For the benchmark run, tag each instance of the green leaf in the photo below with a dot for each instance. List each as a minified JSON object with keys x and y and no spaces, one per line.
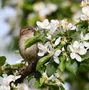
{"x":62,"y":64}
{"x":53,"y":87}
{"x":43,"y":60}
{"x":2,"y":60}
{"x":61,"y":88}
{"x":33,"y":40}
{"x":50,"y":69}
{"x":86,"y":56}
{"x":84,"y":66}
{"x":31,"y":21}
{"x":74,"y":35}
{"x":27,"y":6}
{"x":72,"y":66}
{"x":82,"y":24}
{"x":37,"y":84}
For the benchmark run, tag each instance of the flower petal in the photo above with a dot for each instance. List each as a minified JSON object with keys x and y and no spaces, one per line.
{"x":86,"y":36}
{"x":72,"y":55}
{"x":75,"y":56}
{"x":57,"y":53}
{"x":78,"y":58}
{"x":40,"y":46}
{"x":82,"y":51}
{"x":76,"y":44}
{"x":44,"y":24}
{"x":71,"y":26}
{"x":57,"y":41}
{"x":71,"y":48}
{"x":86,"y":44}
{"x":41,"y":53}
{"x":56,"y":59}
{"x":53,"y":25}
{"x":85,"y":10}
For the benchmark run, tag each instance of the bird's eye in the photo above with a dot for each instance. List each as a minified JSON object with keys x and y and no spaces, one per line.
{"x":28,"y":28}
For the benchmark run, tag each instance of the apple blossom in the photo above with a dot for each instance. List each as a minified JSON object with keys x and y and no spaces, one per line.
{"x":84,"y":39}
{"x":85,"y":8}
{"x":54,"y":24}
{"x":77,"y":49}
{"x":55,"y":56}
{"x":57,"y":41}
{"x":5,"y":81}
{"x":44,"y":9}
{"x":44,"y":24}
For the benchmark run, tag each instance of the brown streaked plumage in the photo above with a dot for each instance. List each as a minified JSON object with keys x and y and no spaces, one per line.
{"x":28,"y":54}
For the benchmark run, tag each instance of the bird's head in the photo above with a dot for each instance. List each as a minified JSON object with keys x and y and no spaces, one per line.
{"x":26,"y":31}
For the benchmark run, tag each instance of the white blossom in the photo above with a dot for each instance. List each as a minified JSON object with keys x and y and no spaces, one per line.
{"x":85,"y":8}
{"x":4,"y":87}
{"x":75,"y":56}
{"x":77,"y":16}
{"x":84,"y":3}
{"x":84,"y":39}
{"x":52,"y":7}
{"x":47,"y":47}
{"x":66,"y":25}
{"x":63,"y":49}
{"x":51,"y":78}
{"x":55,"y":56}
{"x":71,"y":26}
{"x":51,"y":26}
{"x":86,"y":44}
{"x":42,"y":50}
{"x":23,"y":86}
{"x":77,"y":49}
{"x":44,"y":24}
{"x":54,"y":25}
{"x":44,"y":9}
{"x":5,"y":81}
{"x":57,"y":53}
{"x":56,"y":59}
{"x":83,"y":17}
{"x":49,"y":36}
{"x":57,"y":41}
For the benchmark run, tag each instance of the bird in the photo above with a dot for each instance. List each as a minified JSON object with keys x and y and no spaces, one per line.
{"x":28,"y":54}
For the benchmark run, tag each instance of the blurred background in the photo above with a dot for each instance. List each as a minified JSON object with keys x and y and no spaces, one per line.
{"x":15,"y":14}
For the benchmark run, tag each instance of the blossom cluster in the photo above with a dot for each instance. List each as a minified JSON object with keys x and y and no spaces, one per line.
{"x":5,"y":81}
{"x":78,"y":46}
{"x":44,"y":9}
{"x":64,"y":42}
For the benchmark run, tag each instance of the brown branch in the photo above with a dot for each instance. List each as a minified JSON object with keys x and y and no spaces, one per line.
{"x":26,"y":71}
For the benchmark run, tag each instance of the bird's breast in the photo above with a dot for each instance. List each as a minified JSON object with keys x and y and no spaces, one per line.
{"x":30,"y":53}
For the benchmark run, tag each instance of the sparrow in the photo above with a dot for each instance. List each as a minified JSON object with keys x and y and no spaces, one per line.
{"x":28,"y":54}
